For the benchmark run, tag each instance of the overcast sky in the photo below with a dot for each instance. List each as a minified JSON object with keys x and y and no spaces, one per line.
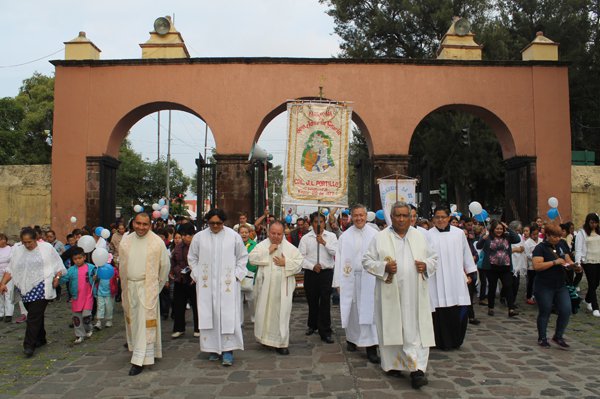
{"x":225,"y":28}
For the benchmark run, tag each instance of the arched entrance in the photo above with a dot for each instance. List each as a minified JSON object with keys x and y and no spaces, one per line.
{"x":233,"y":95}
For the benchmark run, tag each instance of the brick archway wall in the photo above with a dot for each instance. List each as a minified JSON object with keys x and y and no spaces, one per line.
{"x":93,"y":98}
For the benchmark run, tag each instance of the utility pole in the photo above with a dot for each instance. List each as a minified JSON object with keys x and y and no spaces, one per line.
{"x":169,"y":161}
{"x":158,"y":152}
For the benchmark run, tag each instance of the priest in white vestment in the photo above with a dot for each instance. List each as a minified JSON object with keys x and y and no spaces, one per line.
{"x":218,"y":257}
{"x":402,"y":261}
{"x":144,"y":269}
{"x":356,"y":286}
{"x":278,"y":262}
{"x":448,"y":288}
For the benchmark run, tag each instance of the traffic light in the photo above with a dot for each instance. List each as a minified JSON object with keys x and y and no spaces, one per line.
{"x":444,"y":191}
{"x":465,"y":137}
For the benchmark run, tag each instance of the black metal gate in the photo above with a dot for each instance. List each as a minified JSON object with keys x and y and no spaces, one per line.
{"x":258,"y":189}
{"x":206,"y":187}
{"x":365,"y":187}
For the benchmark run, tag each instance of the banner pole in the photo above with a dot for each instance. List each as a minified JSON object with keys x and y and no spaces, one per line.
{"x":266,"y":166}
{"x":396,"y":177}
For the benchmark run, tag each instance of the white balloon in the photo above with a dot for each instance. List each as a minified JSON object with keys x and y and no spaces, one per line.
{"x":105,"y":234}
{"x":87,"y":243}
{"x":294,"y":219}
{"x":475,"y":208}
{"x":164,"y":211}
{"x":100,"y":256}
{"x":453,"y":208}
{"x":73,"y":219}
{"x":138,"y":208}
{"x":155,"y":206}
{"x":553,"y":202}
{"x":370,"y":216}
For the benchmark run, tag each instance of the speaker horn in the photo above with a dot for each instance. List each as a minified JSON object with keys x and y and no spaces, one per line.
{"x":257,"y":153}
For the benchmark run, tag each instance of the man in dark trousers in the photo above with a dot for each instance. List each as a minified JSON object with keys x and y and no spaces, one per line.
{"x":302,"y":228}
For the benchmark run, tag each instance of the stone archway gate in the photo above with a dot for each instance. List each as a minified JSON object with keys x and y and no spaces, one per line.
{"x":97,"y":101}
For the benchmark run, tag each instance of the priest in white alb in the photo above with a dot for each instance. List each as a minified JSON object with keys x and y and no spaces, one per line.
{"x":356,"y":286}
{"x":448,"y":288}
{"x":217,"y":258}
{"x":144,"y":269}
{"x":402,"y":261}
{"x":278,"y":262}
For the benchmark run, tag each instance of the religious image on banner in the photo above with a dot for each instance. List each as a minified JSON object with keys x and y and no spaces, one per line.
{"x":317,"y":157}
{"x":392,"y":190}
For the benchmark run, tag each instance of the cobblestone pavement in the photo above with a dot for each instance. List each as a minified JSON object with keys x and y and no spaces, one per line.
{"x":500,"y":358}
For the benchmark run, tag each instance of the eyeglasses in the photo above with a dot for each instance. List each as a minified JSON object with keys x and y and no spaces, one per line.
{"x":215,"y":223}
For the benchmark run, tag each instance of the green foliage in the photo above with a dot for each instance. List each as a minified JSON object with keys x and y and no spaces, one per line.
{"x":11,"y":115}
{"x":144,"y":182}
{"x":275,"y":183}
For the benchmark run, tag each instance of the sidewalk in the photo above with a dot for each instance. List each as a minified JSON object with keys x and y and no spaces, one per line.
{"x":500,"y":358}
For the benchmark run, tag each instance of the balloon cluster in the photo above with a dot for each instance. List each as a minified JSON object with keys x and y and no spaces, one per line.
{"x":480,"y":214}
{"x":553,"y":211}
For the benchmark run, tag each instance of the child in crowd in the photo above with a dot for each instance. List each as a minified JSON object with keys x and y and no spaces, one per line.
{"x":105,"y":291}
{"x":79,"y":278}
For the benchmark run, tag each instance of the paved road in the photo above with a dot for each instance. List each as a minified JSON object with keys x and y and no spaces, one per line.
{"x":500,"y":358}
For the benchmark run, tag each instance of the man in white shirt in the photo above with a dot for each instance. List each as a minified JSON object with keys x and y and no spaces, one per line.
{"x":318,"y":248}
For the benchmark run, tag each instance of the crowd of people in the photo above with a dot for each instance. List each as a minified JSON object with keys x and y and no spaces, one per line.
{"x":402,"y":289}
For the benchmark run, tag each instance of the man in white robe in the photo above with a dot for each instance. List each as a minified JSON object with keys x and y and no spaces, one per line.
{"x":402,"y":262}
{"x":218,"y":257}
{"x":278,"y":262}
{"x":356,"y":286}
{"x":448,"y":288}
{"x":144,"y":269}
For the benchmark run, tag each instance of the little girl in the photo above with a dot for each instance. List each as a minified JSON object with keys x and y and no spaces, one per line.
{"x":79,"y":278}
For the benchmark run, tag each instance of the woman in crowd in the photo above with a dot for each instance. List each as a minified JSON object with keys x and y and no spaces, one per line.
{"x":6,"y":303}
{"x":35,"y":268}
{"x":550,"y":260}
{"x":184,"y":288}
{"x":587,"y":253}
{"x":497,"y":262}
{"x":530,"y":244}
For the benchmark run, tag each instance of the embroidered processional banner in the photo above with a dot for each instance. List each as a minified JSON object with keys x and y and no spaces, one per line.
{"x":317,"y":156}
{"x":392,"y":190}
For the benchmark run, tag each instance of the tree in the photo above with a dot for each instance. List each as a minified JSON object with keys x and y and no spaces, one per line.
{"x":143,"y":182}
{"x":11,"y":115}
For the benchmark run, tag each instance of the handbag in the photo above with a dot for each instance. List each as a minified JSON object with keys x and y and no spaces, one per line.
{"x":248,"y":282}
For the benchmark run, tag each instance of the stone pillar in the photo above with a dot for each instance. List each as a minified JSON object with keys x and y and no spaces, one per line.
{"x":234,"y":185}
{"x":386,"y":165}
{"x":520,"y":184}
{"x":101,"y":190}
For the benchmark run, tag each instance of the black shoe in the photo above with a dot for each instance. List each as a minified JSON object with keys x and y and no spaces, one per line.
{"x":28,"y":352}
{"x":327,"y":339}
{"x":418,"y":379}
{"x":282,"y":351}
{"x":7,"y":319}
{"x":135,"y":370}
{"x":350,"y":346}
{"x":41,"y":343}
{"x":474,"y":321}
{"x":125,"y":345}
{"x":372,"y":354}
{"x":310,"y":331}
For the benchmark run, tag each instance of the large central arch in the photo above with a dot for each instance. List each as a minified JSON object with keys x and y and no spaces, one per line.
{"x":95,"y":98}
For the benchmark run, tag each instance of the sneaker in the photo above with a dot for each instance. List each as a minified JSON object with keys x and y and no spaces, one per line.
{"x":596,"y":313}
{"x":78,"y":340}
{"x":544,"y":343}
{"x":98,"y":326}
{"x":560,"y":342}
{"x":213,"y":357}
{"x":483,"y":302}
{"x":177,"y":334}
{"x":21,"y":319}
{"x":108,"y":324}
{"x":227,"y":359}
{"x":89,"y":333}
{"x":197,"y":334}
{"x":530,"y":301}
{"x":187,"y":306}
{"x":589,"y":306}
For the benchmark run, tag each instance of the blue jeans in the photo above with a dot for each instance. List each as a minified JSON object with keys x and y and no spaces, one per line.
{"x":545,"y":297}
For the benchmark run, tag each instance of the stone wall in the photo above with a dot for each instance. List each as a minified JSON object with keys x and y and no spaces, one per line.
{"x":585,"y":192}
{"x":24,"y":197}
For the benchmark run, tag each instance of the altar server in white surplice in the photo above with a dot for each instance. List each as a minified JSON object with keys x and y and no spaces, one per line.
{"x":278,"y":262}
{"x":402,"y":261}
{"x":356,"y":286}
{"x":218,"y":257}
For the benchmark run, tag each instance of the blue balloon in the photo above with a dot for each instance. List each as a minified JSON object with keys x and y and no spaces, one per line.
{"x":482,"y":217}
{"x":161,"y":202}
{"x":345,"y":212}
{"x":288,"y":219}
{"x":552,"y":213}
{"x":325,"y":212}
{"x":380,"y":215}
{"x":98,"y":230}
{"x":105,"y":272}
